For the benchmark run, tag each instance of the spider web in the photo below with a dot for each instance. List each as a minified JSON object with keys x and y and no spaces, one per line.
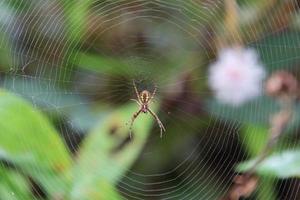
{"x":167,"y":43}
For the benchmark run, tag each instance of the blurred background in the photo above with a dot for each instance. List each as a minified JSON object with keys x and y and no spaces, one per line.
{"x":66,"y":71}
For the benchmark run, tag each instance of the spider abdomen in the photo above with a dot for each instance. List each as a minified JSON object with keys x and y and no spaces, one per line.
{"x":145,"y":96}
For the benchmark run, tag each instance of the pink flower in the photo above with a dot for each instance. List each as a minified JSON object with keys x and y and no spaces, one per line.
{"x":237,"y":76}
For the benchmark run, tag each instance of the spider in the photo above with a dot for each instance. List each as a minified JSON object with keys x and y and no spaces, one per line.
{"x":143,"y":100}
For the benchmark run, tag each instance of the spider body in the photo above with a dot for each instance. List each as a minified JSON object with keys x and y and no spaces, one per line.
{"x":145,"y":97}
{"x":143,"y":100}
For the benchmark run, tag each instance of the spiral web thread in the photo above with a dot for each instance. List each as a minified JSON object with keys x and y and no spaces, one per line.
{"x":45,"y":50}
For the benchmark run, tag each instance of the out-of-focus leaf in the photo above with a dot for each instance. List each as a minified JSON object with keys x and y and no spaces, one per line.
{"x":284,"y":164}
{"x":25,"y":130}
{"x":55,"y":101}
{"x":44,"y":94}
{"x":76,"y":14}
{"x":103,"y":64}
{"x":279,"y":51}
{"x":101,"y":190}
{"x":84,"y":117}
{"x":131,"y":65}
{"x":254,"y":138}
{"x":31,"y":143}
{"x":256,"y":112}
{"x":108,"y":152}
{"x":13,"y":186}
{"x":266,"y":189}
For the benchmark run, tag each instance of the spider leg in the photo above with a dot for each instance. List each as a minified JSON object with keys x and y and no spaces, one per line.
{"x":136,"y":101}
{"x":136,"y":91}
{"x":153,"y":93}
{"x":160,"y":124}
{"x":134,"y":116}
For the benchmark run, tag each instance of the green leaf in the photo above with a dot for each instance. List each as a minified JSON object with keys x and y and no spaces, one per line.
{"x":254,"y":138}
{"x":56,"y":101}
{"x":280,"y":50}
{"x":106,"y":64}
{"x":131,"y":65}
{"x":284,"y":164}
{"x":13,"y":186}
{"x":266,"y":189}
{"x":245,"y":113}
{"x":31,"y":143}
{"x":256,"y":112}
{"x":43,"y":94}
{"x":108,"y":152}
{"x":77,"y":14}
{"x":101,"y":190}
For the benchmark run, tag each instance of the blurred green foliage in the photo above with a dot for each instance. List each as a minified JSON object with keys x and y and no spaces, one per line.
{"x":67,"y":68}
{"x":38,"y":151}
{"x":108,"y":152}
{"x":40,"y":154}
{"x":282,"y":164}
